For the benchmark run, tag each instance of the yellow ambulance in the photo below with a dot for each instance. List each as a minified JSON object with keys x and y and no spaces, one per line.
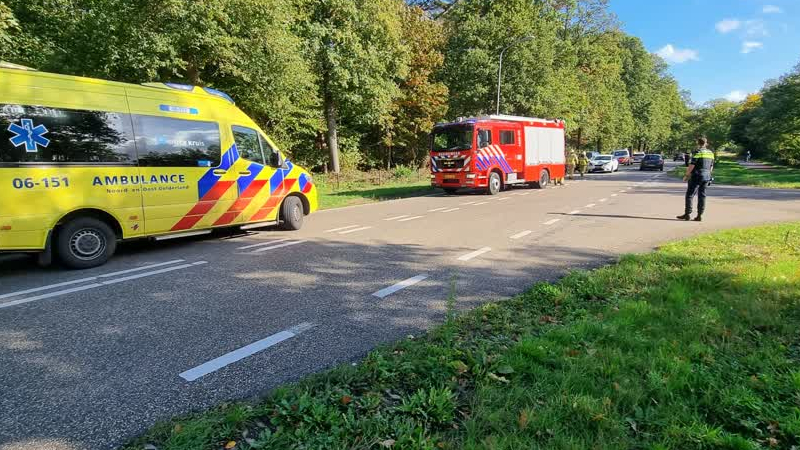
{"x":85,"y":163}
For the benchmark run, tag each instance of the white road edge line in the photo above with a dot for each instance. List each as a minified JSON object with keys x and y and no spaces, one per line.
{"x":22,"y":301}
{"x":502,"y":199}
{"x":84,"y":280}
{"x":615,"y":195}
{"x":602,"y":200}
{"x":394,"y":218}
{"x":408,"y":219}
{"x":242,"y":353}
{"x":474,"y":254}
{"x":521,"y":234}
{"x":339,"y":229}
{"x":450,"y":210}
{"x":276,"y":241}
{"x":590,"y":205}
{"x":572,"y":213}
{"x":481,"y":203}
{"x":438,"y":209}
{"x":383,"y":293}
{"x":552,"y":222}
{"x":266,"y":249}
{"x":354,"y":230}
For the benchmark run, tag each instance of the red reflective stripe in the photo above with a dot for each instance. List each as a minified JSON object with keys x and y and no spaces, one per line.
{"x":216,"y":192}
{"x":307,"y":189}
{"x":203,"y":207}
{"x":274,"y":200}
{"x":242,"y":203}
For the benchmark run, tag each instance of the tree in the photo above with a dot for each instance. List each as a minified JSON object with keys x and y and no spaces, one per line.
{"x":7,"y":23}
{"x":423,"y":100}
{"x":357,"y":53}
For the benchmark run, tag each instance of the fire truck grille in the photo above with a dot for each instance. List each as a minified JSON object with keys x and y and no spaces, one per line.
{"x":451,"y":163}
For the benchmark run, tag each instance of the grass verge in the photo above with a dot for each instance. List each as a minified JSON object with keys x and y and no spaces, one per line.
{"x":362,"y":189}
{"x":728,"y":171}
{"x":695,"y":346}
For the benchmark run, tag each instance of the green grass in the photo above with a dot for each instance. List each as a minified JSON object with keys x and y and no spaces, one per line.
{"x":728,"y":171}
{"x":360,"y":190}
{"x":695,"y":346}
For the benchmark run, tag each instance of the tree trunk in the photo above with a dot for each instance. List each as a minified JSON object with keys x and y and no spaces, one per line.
{"x":333,"y":137}
{"x":580,"y":137}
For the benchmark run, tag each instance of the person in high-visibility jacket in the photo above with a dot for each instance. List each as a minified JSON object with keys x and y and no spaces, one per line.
{"x":572,"y":161}
{"x":698,"y":174}
{"x":583,"y":164}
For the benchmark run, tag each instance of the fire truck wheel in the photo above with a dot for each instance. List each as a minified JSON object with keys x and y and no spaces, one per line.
{"x":544,"y":180}
{"x":495,"y":184}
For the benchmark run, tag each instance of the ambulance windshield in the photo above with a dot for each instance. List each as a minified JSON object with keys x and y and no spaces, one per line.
{"x":452,"y":138}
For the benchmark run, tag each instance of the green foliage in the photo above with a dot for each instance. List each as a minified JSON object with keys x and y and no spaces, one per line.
{"x":370,"y":76}
{"x":768,"y":124}
{"x":694,"y":346}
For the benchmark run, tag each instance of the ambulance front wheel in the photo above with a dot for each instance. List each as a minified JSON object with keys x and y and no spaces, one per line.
{"x":292,"y":214}
{"x":495,"y":184}
{"x":85,"y":242}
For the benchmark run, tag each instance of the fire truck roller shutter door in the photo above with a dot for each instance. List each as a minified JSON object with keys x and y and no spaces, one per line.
{"x":532,"y":148}
{"x":558,"y":145}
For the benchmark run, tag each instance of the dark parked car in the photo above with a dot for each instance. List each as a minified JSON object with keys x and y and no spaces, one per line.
{"x":678,"y":157}
{"x":652,"y":162}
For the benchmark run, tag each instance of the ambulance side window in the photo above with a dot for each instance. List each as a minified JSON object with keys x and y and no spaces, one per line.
{"x":506,"y":137}
{"x":247,"y":142}
{"x":273,"y":157}
{"x":40,"y":134}
{"x":484,"y":138}
{"x":168,"y":142}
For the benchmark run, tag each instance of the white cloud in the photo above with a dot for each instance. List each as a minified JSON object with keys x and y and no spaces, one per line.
{"x":772,"y":9}
{"x":675,"y":55}
{"x":736,"y":96}
{"x":727,"y":25}
{"x":751,"y":46}
{"x":756,"y":28}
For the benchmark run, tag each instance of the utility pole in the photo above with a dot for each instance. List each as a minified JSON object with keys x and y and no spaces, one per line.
{"x":500,"y":67}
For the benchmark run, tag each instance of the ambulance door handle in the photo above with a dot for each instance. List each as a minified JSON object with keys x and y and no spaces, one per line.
{"x":245,"y":173}
{"x":220,"y":171}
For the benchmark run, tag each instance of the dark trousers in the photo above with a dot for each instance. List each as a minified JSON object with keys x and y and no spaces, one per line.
{"x":696,"y":187}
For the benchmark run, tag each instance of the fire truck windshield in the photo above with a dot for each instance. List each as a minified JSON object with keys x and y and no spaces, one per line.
{"x":452,"y":138}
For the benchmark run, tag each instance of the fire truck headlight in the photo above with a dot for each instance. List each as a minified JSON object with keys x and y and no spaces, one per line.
{"x":433,"y":177}
{"x":470,"y":176}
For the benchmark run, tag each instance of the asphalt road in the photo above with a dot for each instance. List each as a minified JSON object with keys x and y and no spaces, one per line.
{"x":90,"y":359}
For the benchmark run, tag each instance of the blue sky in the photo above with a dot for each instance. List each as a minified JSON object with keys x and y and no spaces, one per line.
{"x":717,"y":48}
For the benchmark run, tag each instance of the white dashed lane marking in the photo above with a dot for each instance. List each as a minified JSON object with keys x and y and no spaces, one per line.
{"x":355,"y":230}
{"x":521,"y":234}
{"x":395,"y":218}
{"x":333,"y":230}
{"x":274,"y":247}
{"x":572,"y":213}
{"x":437,"y":209}
{"x":242,"y":353}
{"x":552,"y":222}
{"x":383,"y":293}
{"x":590,"y":205}
{"x":474,"y":254}
{"x":450,"y":210}
{"x":408,"y":219}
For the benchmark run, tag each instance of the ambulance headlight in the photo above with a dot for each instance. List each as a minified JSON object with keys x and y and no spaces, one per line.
{"x":470,"y":176}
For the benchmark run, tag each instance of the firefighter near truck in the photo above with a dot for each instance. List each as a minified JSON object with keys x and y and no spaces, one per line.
{"x":496,"y":152}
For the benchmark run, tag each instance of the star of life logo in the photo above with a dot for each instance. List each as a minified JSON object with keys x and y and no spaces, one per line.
{"x":32,"y":137}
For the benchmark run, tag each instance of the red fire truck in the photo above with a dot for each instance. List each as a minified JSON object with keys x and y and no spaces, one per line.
{"x":495,"y":152}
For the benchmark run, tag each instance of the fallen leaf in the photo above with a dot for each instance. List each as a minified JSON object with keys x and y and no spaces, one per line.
{"x":346,"y":399}
{"x":230,"y":445}
{"x":177,"y":428}
{"x":459,"y":366}
{"x":772,"y":442}
{"x":616,"y":386}
{"x":573,"y":353}
{"x":548,"y":319}
{"x":388,"y":443}
{"x":497,"y":378}
{"x":505,"y":370}
{"x":523,"y":420}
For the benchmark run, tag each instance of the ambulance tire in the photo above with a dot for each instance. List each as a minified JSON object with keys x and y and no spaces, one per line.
{"x":544,"y":180}
{"x":292,"y":214}
{"x":85,"y":242}
{"x":495,"y":184}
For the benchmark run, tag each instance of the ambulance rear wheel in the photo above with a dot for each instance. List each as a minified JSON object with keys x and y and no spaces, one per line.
{"x":544,"y":180}
{"x":292,"y":214}
{"x":495,"y":184}
{"x":85,"y":242}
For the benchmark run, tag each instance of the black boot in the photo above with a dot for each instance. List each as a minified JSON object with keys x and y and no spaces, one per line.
{"x":684,"y":217}
{"x":699,"y":218}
